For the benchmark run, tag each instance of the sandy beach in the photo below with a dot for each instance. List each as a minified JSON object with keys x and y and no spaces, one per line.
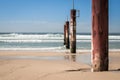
{"x":36,"y":65}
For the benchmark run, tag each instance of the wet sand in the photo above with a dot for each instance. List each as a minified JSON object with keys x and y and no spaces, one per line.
{"x":35,"y":65}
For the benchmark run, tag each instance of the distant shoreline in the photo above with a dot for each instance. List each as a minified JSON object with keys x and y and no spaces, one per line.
{"x":86,"y":33}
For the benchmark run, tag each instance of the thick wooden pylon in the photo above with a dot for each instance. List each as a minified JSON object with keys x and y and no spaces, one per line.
{"x":67,"y":35}
{"x":73,"y":31}
{"x":100,"y":60}
{"x":64,"y":34}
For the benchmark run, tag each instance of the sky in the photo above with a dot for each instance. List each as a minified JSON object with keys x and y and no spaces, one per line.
{"x":50,"y":15}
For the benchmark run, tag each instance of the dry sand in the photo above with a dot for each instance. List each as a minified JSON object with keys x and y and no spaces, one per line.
{"x":23,"y":65}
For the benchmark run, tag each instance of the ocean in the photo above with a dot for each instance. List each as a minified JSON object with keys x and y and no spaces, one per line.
{"x":50,"y":41}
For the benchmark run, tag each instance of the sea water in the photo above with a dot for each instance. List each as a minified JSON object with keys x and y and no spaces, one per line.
{"x":50,"y":41}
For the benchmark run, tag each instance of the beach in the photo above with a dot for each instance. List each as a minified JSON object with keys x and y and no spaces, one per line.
{"x":59,"y":40}
{"x":37,"y":65}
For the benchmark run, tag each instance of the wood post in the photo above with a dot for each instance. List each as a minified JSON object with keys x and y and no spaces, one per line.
{"x":100,"y":59}
{"x":73,"y":31}
{"x":64,"y":34}
{"x":67,"y":35}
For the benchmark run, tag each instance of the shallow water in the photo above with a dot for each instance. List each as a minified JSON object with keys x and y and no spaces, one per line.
{"x":83,"y":58}
{"x":49,"y":41}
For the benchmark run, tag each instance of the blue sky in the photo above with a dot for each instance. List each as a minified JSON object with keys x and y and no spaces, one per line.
{"x":50,"y":15}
